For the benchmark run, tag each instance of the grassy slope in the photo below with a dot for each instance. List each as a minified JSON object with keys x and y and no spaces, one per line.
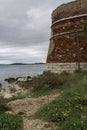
{"x":70,"y":109}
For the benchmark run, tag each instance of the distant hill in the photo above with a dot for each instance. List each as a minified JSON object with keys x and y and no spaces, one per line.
{"x":26,"y":63}
{"x":18,"y":64}
{"x":22,"y":64}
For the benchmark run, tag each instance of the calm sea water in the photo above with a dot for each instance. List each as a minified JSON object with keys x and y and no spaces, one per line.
{"x":7,"y":71}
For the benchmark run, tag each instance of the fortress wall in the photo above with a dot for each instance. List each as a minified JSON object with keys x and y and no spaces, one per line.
{"x":64,"y":67}
{"x":73,"y":8}
{"x":67,"y":43}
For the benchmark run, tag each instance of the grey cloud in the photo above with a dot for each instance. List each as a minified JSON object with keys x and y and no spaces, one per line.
{"x":25,"y":24}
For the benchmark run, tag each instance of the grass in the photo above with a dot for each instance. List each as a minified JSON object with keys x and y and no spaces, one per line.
{"x":41,"y":92}
{"x":3,"y":105}
{"x":70,"y":109}
{"x":16,"y":98}
{"x":44,"y":92}
{"x":10,"y":122}
{"x":36,"y":94}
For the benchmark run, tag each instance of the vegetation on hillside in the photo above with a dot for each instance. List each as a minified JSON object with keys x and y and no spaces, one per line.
{"x":9,"y":121}
{"x":70,"y":109}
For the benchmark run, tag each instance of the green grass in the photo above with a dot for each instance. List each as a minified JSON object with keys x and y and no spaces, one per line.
{"x":70,"y":109}
{"x":3,"y":105}
{"x":41,"y":92}
{"x":15,"y":98}
{"x":10,"y":122}
{"x":36,"y":94}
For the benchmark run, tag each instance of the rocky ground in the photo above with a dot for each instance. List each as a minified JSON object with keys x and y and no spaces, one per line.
{"x":27,"y":107}
{"x":15,"y":86}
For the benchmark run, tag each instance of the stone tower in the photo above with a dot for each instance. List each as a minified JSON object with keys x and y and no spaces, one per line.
{"x":68,"y":46}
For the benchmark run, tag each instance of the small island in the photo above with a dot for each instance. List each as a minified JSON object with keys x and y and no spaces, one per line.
{"x":27,"y":63}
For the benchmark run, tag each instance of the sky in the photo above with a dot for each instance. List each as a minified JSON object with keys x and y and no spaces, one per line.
{"x":25,"y":30}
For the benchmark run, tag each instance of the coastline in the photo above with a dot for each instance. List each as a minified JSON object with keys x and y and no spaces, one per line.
{"x":15,"y":71}
{"x":14,"y":86}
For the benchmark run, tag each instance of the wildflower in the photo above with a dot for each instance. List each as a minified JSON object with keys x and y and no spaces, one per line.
{"x":74,"y":124}
{"x":56,"y":114}
{"x":65,"y":114}
{"x":81,"y":107}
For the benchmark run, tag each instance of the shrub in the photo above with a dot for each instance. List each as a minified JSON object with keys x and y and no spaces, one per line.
{"x":10,"y":122}
{"x":45,"y":80}
{"x":24,"y":84}
{"x":48,"y":80}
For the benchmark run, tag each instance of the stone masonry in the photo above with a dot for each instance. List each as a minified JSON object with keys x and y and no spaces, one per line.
{"x":68,"y":46}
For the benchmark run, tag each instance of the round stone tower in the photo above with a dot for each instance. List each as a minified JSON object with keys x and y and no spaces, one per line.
{"x":68,"y":45}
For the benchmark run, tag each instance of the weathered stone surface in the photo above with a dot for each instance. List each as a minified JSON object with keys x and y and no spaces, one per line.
{"x":71,"y":9}
{"x":68,"y":67}
{"x":67,"y":43}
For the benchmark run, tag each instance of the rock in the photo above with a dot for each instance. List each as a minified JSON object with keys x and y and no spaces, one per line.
{"x":10,"y":80}
{"x":29,"y":78}
{"x":9,"y":112}
{"x":8,"y":95}
{"x":22,"y":79}
{"x":21,"y":113}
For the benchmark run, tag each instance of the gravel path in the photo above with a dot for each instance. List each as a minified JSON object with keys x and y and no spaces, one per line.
{"x":29,"y":106}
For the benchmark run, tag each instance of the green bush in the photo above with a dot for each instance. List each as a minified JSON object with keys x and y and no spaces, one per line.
{"x":10,"y":122}
{"x":48,"y":80}
{"x":24,"y":84}
{"x":45,"y":80}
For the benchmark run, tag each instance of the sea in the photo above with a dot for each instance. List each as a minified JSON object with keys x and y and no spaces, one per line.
{"x":7,"y":71}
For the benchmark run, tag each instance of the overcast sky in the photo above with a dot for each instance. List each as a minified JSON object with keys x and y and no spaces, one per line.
{"x":25,"y":29}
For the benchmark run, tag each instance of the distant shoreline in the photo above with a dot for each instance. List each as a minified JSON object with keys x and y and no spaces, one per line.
{"x":17,"y":70}
{"x":23,"y":64}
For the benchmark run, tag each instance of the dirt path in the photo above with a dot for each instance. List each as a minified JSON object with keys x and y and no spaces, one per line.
{"x":36,"y":125}
{"x":29,"y":106}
